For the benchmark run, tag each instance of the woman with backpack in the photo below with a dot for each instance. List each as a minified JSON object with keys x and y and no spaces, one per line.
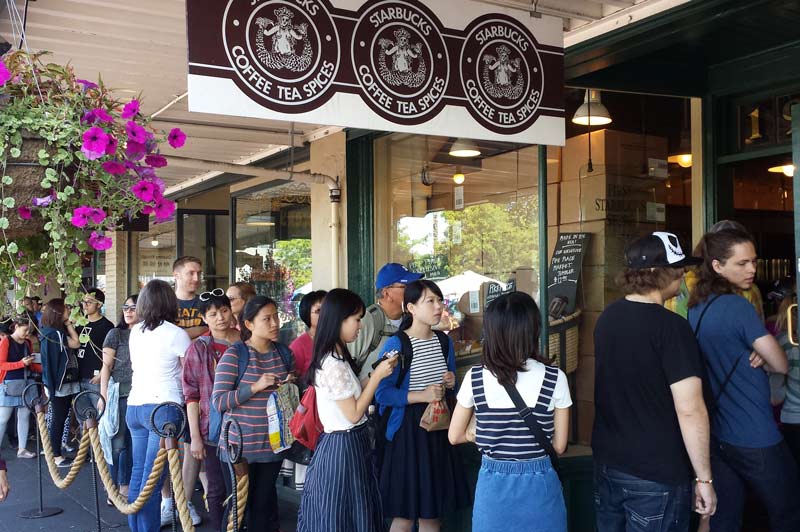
{"x":340,"y":493}
{"x":246,"y":376}
{"x":15,"y":363}
{"x":57,"y":339}
{"x":509,"y":447}
{"x":420,"y":478}
{"x":747,"y":449}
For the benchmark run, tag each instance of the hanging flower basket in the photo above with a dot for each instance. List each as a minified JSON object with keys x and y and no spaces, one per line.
{"x":75,"y":163}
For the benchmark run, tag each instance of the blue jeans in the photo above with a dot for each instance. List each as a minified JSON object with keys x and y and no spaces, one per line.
{"x":121,"y":448}
{"x":625,"y":503}
{"x":771,"y":474}
{"x":145,"y":444}
{"x":524,"y":496}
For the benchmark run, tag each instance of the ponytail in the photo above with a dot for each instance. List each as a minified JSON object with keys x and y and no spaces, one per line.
{"x":414,"y":292}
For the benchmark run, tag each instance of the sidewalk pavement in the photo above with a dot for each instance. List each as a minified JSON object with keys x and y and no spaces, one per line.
{"x":77,"y":501}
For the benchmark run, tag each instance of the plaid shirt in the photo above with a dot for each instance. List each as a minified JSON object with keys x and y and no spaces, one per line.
{"x":199,"y":366}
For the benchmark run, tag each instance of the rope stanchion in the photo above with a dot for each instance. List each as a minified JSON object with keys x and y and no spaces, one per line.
{"x":169,"y":433}
{"x":89,"y":416}
{"x":80,"y":458}
{"x":233,"y":453}
{"x":242,"y":489}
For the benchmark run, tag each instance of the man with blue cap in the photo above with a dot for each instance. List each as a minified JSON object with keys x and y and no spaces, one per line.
{"x":382,"y":319}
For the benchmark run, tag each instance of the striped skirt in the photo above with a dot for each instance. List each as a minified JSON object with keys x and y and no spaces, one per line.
{"x":341,"y":490}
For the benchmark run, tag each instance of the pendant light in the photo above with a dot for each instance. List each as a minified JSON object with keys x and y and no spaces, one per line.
{"x":786,"y":169}
{"x":592,"y":112}
{"x":464,"y":148}
{"x":683,"y":157}
{"x":458,"y":177}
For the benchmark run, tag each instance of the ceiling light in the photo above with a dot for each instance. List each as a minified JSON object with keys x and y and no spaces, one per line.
{"x":683,"y":160}
{"x":592,"y":112}
{"x":260,"y":220}
{"x":154,"y":242}
{"x":458,"y":177}
{"x":787,"y":169}
{"x":464,"y":148}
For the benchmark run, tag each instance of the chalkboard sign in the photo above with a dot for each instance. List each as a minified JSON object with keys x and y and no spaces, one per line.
{"x":565,"y":270}
{"x":494,"y":290}
{"x":432,"y":266}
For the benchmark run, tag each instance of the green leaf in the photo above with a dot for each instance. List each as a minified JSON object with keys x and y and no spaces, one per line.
{"x":48,"y":226}
{"x":71,"y":299}
{"x":9,"y":203}
{"x":50,"y":173}
{"x":8,"y":180}
{"x":69,"y":191}
{"x":61,"y":196}
{"x":45,"y":183}
{"x":3,"y":223}
{"x":12,"y":247}
{"x":84,"y":338}
{"x":42,"y":154}
{"x":15,"y":152}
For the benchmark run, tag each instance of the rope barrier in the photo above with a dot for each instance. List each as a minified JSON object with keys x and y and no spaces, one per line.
{"x":167,"y":454}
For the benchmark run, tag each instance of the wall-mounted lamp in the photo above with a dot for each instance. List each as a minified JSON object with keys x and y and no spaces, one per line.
{"x":154,"y":242}
{"x":592,"y":112}
{"x":458,"y":177}
{"x":464,"y":148}
{"x":786,"y":169}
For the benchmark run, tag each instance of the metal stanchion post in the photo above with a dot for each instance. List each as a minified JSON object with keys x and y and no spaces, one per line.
{"x":89,"y":416}
{"x":170,"y":433}
{"x":233,"y":453}
{"x":36,"y":404}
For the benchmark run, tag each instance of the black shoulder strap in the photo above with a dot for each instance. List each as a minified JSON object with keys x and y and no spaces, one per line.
{"x":444,"y":342}
{"x":376,"y":333}
{"x":406,"y":355}
{"x":528,"y":417}
{"x":713,"y":407}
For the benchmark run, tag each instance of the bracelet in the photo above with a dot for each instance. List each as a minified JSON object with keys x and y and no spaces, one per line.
{"x":701,"y":481}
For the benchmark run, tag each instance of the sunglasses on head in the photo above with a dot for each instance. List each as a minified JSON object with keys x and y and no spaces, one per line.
{"x":205,"y":296}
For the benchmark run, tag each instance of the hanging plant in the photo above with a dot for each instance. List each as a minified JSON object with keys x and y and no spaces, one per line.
{"x":74,"y":164}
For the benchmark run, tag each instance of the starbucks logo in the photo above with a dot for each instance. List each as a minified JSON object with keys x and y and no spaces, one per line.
{"x":400,"y":60}
{"x":285,"y":54}
{"x":501,"y":74}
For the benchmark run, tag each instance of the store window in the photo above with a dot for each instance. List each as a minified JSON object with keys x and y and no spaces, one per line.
{"x":205,"y":235}
{"x":152,"y":254}
{"x":272,"y":250}
{"x":467,"y":223}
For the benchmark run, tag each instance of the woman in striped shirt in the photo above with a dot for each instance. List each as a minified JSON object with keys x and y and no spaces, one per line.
{"x":510,"y":356}
{"x":244,"y":398}
{"x":341,"y":491}
{"x":420,"y":478}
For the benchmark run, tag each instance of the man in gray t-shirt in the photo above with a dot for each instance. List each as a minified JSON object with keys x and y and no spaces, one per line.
{"x":382,"y":319}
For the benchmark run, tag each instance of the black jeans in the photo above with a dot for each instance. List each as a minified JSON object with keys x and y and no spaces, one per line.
{"x":770,"y":472}
{"x":623,"y":502}
{"x":61,"y":406}
{"x":262,"y":499}
{"x":791,"y":434}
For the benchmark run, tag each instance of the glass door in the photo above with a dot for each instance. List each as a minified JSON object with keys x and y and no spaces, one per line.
{"x":204,"y":234}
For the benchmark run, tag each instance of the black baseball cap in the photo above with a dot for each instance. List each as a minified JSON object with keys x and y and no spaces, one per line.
{"x":658,"y":250}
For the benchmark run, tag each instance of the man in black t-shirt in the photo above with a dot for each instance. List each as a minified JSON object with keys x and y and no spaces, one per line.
{"x":93,"y":334}
{"x":188,"y":272}
{"x":651,"y":432}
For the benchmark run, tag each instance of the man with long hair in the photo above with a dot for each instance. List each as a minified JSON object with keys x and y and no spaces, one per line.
{"x":651,"y":434}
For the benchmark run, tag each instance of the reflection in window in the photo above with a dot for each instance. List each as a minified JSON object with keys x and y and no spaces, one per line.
{"x":156,"y":251}
{"x":273,"y":248}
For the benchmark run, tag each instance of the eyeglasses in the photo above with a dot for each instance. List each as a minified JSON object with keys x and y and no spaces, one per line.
{"x":128,"y":308}
{"x":90,"y":302}
{"x":205,"y":296}
{"x":397,"y":286}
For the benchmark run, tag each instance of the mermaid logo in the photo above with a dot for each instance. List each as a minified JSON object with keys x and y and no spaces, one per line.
{"x":502,"y":77}
{"x":285,"y":38}
{"x":402,"y":55}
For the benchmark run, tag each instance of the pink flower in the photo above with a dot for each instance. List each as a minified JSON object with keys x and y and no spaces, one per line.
{"x":97,"y":215}
{"x":114,"y":167}
{"x":145,"y":191}
{"x":24,"y":212}
{"x":80,"y":215}
{"x":100,"y":242}
{"x":176,"y":138}
{"x":163,"y":209}
{"x":5,"y":75}
{"x":111,"y":147}
{"x":135,"y":132}
{"x":130,"y":110}
{"x":102,"y":116}
{"x":134,"y":150}
{"x":95,"y":141}
{"x":156,"y":161}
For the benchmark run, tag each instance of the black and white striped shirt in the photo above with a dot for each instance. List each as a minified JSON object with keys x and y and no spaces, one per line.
{"x":428,"y":365}
{"x":500,"y":432}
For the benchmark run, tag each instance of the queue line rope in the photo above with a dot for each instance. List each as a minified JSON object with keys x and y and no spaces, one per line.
{"x":168,"y":453}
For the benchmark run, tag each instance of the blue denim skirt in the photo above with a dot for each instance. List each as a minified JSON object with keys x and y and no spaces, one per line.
{"x":9,"y":400}
{"x":523,"y":496}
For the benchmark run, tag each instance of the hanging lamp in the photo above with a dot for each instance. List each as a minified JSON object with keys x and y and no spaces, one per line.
{"x":592,"y":112}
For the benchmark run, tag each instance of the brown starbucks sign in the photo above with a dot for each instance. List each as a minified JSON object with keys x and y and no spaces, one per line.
{"x":391,"y":63}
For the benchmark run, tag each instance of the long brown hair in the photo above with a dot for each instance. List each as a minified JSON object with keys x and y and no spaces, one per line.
{"x":715,"y":246}
{"x":53,"y":314}
{"x":511,"y":327}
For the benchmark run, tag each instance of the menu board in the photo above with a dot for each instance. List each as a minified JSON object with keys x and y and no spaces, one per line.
{"x":565,"y":270}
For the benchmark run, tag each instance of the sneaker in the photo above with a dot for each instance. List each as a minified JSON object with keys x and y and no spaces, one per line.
{"x":196,"y":520}
{"x":64,"y":462}
{"x":166,"y":512}
{"x":25,"y":453}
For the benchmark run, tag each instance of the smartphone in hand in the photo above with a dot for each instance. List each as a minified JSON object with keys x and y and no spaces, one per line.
{"x":390,"y":354}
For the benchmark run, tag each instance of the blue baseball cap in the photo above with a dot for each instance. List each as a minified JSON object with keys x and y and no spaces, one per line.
{"x":395,"y":273}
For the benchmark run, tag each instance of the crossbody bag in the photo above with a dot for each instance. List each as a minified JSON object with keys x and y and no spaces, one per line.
{"x":712,"y":401}
{"x":526,"y":413}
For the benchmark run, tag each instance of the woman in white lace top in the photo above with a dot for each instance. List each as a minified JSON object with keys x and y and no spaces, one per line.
{"x":341,"y":490}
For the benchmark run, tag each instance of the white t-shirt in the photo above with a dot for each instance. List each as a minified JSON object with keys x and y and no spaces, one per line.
{"x":529,"y":384}
{"x":155,"y":362}
{"x":333,"y":382}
